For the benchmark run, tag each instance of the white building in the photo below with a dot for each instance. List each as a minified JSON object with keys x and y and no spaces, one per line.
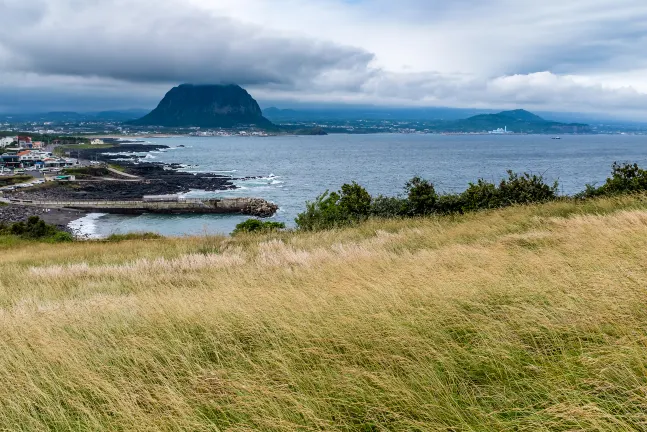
{"x":499,"y":131}
{"x":97,"y":141}
{"x":5,"y":142}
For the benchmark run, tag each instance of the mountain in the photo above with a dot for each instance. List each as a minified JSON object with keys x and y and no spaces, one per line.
{"x":515,"y":121}
{"x":208,"y":106}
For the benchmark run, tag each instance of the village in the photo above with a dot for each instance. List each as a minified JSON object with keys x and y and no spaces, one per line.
{"x":21,"y":153}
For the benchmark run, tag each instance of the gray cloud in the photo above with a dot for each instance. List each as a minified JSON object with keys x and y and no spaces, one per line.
{"x":161,"y":41}
{"x":553,"y":55}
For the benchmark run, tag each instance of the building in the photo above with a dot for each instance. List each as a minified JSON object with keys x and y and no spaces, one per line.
{"x":97,"y":141}
{"x":7,"y":141}
{"x":52,"y":162}
{"x":24,"y":142}
{"x":10,"y":161}
{"x":499,"y":131}
{"x":30,"y":158}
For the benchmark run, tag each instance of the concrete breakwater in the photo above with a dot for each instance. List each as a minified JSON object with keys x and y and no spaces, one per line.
{"x":247,"y":206}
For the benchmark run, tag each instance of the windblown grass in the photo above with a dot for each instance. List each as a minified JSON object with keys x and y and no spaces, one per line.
{"x":528,"y":318}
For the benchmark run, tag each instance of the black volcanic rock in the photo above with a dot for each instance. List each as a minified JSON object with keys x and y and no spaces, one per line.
{"x":208,"y":106}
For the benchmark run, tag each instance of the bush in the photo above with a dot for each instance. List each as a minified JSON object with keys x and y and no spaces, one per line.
{"x":421,"y":195}
{"x":353,"y":204}
{"x":36,"y":228}
{"x":257,"y":226}
{"x":349,"y":205}
{"x":525,"y":189}
{"x":389,"y":207}
{"x":516,"y":189}
{"x":355,"y":201}
{"x":625,"y":178}
{"x":450,"y":203}
{"x":480,"y":195}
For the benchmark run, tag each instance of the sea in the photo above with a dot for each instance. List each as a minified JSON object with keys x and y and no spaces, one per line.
{"x":290,"y":170}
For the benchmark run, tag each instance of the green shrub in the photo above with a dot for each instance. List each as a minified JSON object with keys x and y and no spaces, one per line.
{"x":480,"y":195}
{"x":389,"y":207}
{"x":625,"y":178}
{"x":450,"y":203}
{"x":257,"y":226}
{"x":349,"y":205}
{"x":355,"y":201}
{"x":516,"y":189}
{"x":36,"y":229}
{"x":525,"y":189}
{"x":421,"y":195}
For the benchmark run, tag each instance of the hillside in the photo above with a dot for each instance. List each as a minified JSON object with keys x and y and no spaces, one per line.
{"x":516,"y":121}
{"x":528,"y":318}
{"x":209,"y":106}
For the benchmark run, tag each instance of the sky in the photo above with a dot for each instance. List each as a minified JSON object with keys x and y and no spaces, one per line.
{"x":556,"y":55}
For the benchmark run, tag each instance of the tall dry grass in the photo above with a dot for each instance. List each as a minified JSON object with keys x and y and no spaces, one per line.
{"x":530,"y":318}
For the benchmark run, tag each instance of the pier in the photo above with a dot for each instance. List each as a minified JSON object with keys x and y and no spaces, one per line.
{"x":247,"y":206}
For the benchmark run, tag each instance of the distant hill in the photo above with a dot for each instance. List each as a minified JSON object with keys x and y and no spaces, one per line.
{"x":72,"y":116}
{"x":209,"y":106}
{"x":516,"y":121}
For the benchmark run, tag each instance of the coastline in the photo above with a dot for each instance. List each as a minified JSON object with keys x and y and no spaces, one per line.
{"x":62,"y":217}
{"x":12,"y":213}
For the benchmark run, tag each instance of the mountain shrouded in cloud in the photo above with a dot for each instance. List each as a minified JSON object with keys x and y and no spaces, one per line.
{"x":577,"y":55}
{"x":209,"y":106}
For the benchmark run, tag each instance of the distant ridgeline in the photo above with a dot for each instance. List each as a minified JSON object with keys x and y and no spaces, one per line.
{"x":516,"y":121}
{"x":208,"y":106}
{"x":435,"y":119}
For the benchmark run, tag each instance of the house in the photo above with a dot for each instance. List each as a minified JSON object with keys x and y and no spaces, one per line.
{"x":97,"y":141}
{"x":37,"y":145}
{"x":24,"y":142}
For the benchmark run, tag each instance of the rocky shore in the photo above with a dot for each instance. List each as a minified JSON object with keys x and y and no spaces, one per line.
{"x":144,"y":178}
{"x":155,"y":178}
{"x":60,"y":217}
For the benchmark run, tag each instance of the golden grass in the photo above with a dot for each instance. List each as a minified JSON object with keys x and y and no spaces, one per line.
{"x":529,"y":318}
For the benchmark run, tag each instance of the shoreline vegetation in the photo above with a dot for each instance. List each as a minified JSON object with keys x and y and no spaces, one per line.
{"x":352,"y":204}
{"x":529,"y":317}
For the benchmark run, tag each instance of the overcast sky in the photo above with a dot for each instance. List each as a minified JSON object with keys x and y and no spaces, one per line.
{"x":557,"y":55}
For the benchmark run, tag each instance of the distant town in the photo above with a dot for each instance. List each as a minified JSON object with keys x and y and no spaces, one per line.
{"x":22,"y":152}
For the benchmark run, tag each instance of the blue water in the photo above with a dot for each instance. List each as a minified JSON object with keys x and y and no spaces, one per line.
{"x":296,"y":169}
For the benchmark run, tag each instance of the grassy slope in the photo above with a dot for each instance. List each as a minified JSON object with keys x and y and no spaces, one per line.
{"x":530,"y":318}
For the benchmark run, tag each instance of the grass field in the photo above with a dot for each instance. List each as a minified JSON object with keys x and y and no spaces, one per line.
{"x":528,"y":318}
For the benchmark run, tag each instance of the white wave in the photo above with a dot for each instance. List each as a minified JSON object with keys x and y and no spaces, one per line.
{"x":86,"y":227}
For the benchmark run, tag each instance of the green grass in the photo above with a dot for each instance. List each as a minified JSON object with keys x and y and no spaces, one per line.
{"x":530,"y":318}
{"x":133,"y":236}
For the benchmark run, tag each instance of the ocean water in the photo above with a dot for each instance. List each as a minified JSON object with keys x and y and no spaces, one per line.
{"x":292,"y":170}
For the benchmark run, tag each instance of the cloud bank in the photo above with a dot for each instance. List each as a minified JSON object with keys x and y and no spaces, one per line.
{"x":576,"y":56}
